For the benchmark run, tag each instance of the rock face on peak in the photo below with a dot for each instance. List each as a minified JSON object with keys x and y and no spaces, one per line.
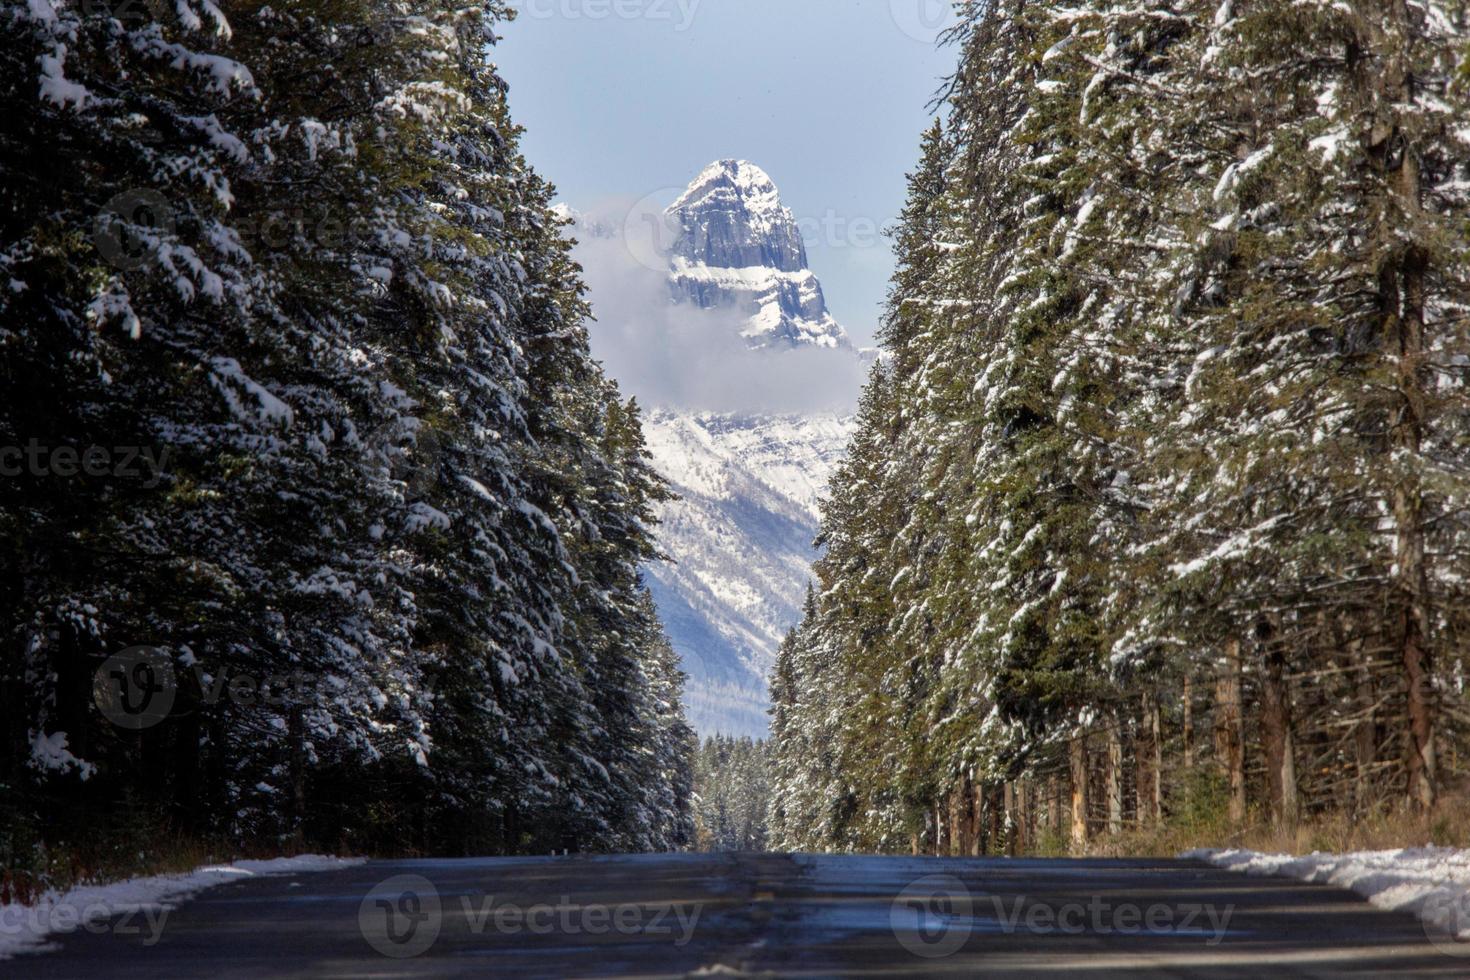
{"x":735,"y":244}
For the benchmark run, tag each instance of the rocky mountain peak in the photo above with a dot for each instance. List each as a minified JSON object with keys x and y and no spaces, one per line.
{"x":736,"y":245}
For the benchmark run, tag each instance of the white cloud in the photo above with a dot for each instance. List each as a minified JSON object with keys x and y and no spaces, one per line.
{"x":676,"y":355}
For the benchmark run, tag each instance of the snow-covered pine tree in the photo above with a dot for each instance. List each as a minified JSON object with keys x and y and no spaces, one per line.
{"x":1326,"y":311}
{"x":300,"y":254}
{"x":1179,"y":407}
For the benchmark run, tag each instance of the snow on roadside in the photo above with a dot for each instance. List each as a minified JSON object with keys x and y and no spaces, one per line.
{"x":1431,"y":882}
{"x":145,"y":903}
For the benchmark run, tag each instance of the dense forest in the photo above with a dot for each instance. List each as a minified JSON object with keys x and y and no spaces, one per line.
{"x":1161,"y":489}
{"x":320,"y":525}
{"x":731,"y":794}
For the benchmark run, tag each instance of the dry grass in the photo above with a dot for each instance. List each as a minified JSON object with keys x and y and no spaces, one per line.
{"x":1447,"y":826}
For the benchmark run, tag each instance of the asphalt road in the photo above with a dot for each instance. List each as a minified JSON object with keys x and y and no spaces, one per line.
{"x":754,"y":916}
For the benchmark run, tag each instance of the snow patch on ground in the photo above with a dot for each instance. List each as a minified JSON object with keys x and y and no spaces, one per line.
{"x":1431,"y":882}
{"x":146,"y":901}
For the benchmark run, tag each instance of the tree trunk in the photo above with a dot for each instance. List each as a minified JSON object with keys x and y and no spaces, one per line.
{"x":1402,"y":300}
{"x":1113,"y":777}
{"x":995,"y":843}
{"x":978,"y":792}
{"x":1366,"y":737}
{"x":1010,"y":823}
{"x":1188,"y":733}
{"x":1230,"y":731}
{"x":296,"y":732}
{"x":952,"y":805}
{"x":966,"y":807}
{"x":1408,"y":510}
{"x":1150,"y":751}
{"x":1276,"y":730}
{"x":1077,"y":754}
{"x":1024,"y":830}
{"x":1054,"y":807}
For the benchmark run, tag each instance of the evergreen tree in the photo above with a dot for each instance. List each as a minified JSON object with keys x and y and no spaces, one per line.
{"x":394,"y":541}
{"x":1172,"y":394}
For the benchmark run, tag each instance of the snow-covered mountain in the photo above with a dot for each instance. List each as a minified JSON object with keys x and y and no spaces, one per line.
{"x":741,"y":535}
{"x":737,"y":245}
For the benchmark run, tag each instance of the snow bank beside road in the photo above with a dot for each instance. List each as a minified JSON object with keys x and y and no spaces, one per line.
{"x":143,"y":903}
{"x":1431,"y":882}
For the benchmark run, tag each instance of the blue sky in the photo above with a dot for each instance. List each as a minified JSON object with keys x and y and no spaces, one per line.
{"x":628,"y":98}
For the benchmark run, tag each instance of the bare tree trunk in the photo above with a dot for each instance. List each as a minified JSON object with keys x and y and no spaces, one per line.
{"x":1077,"y":754}
{"x":1230,"y":731}
{"x":1113,"y":777}
{"x":1276,"y":729}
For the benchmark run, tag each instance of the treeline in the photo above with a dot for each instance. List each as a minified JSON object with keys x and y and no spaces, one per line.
{"x":1161,"y":491}
{"x":377,"y":586}
{"x":732,"y":793}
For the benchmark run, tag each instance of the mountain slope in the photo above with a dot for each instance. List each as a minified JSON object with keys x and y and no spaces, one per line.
{"x":741,"y":537}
